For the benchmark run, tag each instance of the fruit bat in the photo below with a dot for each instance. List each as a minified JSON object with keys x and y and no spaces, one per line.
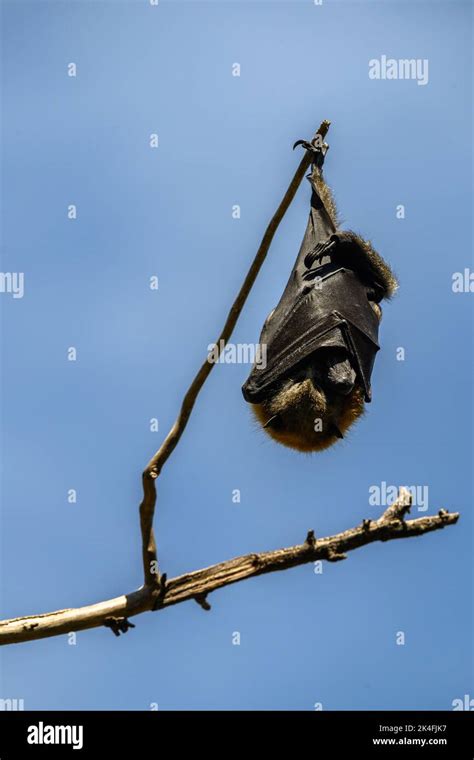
{"x":322,"y":338}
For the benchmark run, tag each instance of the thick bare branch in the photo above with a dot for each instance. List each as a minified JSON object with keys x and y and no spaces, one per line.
{"x":196,"y":585}
{"x":155,"y":465}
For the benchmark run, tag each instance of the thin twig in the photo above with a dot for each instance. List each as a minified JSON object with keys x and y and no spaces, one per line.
{"x":155,"y":465}
{"x":197,"y":585}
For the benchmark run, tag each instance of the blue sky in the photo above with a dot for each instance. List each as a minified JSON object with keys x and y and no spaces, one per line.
{"x":306,"y":638}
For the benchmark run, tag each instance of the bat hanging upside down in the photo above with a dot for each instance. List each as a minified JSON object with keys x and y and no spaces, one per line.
{"x":322,"y":337}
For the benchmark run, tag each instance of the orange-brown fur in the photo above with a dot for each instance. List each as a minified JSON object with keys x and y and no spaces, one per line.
{"x":299,"y":406}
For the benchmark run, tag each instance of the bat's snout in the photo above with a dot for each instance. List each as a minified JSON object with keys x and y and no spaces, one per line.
{"x":334,"y":373}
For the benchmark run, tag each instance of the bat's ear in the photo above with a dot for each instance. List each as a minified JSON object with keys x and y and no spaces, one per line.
{"x":274,"y":423}
{"x":335,"y":431}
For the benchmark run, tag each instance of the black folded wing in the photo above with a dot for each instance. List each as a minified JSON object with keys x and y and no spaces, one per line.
{"x":324,"y":305}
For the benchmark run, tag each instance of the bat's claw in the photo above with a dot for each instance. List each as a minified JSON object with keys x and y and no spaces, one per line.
{"x":305,"y":144}
{"x":318,"y":151}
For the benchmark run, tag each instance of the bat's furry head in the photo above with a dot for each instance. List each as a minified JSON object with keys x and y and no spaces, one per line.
{"x":300,"y":415}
